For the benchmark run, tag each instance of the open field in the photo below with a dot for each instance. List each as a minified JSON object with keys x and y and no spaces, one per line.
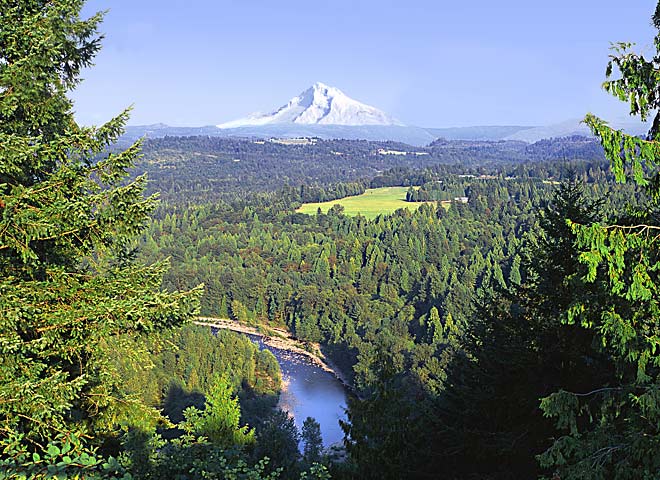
{"x":371,"y":203}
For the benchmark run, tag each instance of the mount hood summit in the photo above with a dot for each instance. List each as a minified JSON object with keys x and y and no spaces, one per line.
{"x":319,"y":105}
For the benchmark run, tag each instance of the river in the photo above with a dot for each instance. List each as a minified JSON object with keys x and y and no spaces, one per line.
{"x":309,"y":391}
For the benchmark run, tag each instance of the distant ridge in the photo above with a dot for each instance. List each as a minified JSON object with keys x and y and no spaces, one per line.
{"x":395,"y":132}
{"x":483,"y":132}
{"x":571,"y":128}
{"x":410,"y":135}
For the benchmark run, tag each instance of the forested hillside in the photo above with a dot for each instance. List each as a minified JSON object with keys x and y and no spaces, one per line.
{"x":99,"y":378}
{"x":507,"y":329}
{"x":338,"y":280}
{"x":202,"y":169}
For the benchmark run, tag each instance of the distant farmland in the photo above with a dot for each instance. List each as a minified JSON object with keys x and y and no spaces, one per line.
{"x":370,"y":204}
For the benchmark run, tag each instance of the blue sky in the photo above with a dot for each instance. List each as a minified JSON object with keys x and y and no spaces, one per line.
{"x":428,"y":63}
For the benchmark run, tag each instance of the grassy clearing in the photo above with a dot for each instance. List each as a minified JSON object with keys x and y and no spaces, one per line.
{"x":370,"y":204}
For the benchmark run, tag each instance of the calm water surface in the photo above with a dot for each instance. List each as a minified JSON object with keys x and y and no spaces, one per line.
{"x":310,"y":392}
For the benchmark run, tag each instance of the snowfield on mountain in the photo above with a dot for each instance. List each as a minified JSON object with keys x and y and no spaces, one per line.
{"x":319,"y":105}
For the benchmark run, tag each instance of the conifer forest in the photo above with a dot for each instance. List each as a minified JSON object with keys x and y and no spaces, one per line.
{"x":506,"y":327}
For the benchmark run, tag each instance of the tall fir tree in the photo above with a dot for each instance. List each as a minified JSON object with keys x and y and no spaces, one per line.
{"x":612,"y":429}
{"x":487,"y":422}
{"x":69,"y":217}
{"x":311,"y":436}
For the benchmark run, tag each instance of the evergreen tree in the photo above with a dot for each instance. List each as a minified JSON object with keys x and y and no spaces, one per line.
{"x":385,"y":433}
{"x":220,"y":420}
{"x":514,"y":274}
{"x":311,"y":435}
{"x":487,"y":421}
{"x":277,"y":439}
{"x":434,"y":328}
{"x":68,"y":220}
{"x":612,"y":429}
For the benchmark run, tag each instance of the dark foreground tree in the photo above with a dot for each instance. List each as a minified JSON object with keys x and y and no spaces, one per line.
{"x":74,"y":303}
{"x":385,"y":433}
{"x":68,"y":221}
{"x":487,"y":421}
{"x":612,"y":429}
{"x":311,"y":435}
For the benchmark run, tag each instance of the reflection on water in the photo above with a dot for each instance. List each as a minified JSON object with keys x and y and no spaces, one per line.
{"x":309,"y":391}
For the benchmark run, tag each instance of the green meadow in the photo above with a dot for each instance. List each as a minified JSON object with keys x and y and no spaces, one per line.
{"x":370,"y":204}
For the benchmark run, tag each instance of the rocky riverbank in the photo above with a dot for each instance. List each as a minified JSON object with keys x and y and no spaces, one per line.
{"x":281,"y":339}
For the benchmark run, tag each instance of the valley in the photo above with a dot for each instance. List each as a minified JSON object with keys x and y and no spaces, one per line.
{"x":324,"y":291}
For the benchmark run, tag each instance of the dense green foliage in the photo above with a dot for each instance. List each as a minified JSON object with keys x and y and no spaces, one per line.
{"x":218,"y":393}
{"x":611,"y":429}
{"x":311,"y":435}
{"x":190,"y":360}
{"x":511,"y":333}
{"x":66,"y":228}
{"x":74,"y":303}
{"x":186,"y":365}
{"x":516,"y":351}
{"x":405,"y":302}
{"x":339,"y":279}
{"x":237,"y":168}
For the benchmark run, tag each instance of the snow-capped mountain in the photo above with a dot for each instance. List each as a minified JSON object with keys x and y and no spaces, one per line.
{"x":319,"y":105}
